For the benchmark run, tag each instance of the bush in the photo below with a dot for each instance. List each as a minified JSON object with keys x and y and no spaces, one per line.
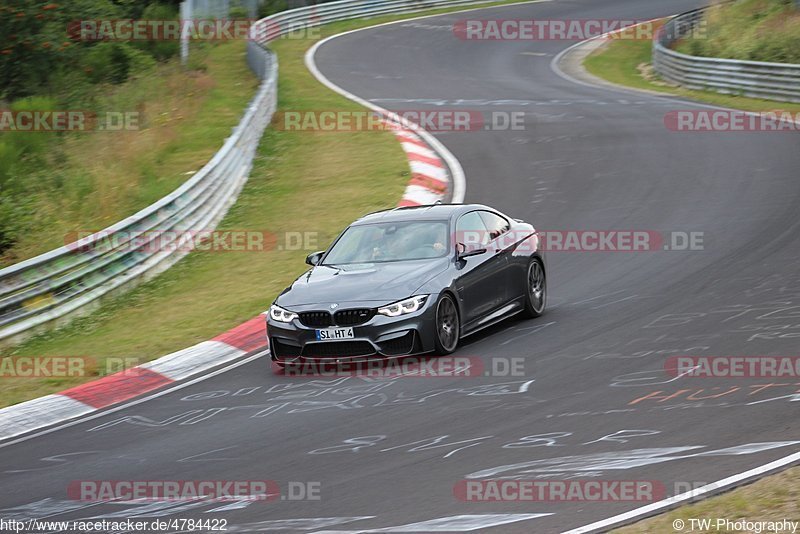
{"x":37,"y":51}
{"x":140,"y":61}
{"x":237,"y":12}
{"x":159,"y":50}
{"x":107,"y":62}
{"x":270,"y":7}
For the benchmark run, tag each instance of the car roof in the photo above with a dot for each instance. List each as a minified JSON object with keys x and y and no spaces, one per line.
{"x":420,"y":213}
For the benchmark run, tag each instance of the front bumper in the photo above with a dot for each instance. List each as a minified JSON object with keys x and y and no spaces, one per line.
{"x":379,"y":337}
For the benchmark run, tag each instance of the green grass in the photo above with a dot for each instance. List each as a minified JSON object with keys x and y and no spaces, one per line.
{"x":627,"y":62}
{"x":87,"y":181}
{"x":754,"y":30}
{"x":301,"y":182}
{"x":773,"y":498}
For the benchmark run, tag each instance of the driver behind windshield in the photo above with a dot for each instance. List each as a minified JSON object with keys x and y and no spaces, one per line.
{"x":390,"y":242}
{"x":430,"y":242}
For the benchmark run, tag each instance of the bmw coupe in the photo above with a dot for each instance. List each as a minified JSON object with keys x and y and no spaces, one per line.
{"x":408,"y":281}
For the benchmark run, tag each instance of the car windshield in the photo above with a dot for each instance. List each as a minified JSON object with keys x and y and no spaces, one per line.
{"x":390,"y":241}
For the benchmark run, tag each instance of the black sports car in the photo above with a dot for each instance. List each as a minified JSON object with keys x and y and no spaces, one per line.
{"x":409,"y":280}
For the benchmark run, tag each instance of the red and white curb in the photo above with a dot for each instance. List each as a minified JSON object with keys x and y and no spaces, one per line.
{"x":435,"y":172}
{"x":431,"y":181}
{"x":125,"y":385}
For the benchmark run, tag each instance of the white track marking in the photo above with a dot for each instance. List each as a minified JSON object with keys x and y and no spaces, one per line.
{"x":459,"y":181}
{"x":707,"y":490}
{"x":455,"y":523}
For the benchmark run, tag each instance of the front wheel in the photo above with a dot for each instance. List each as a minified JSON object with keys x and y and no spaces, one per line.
{"x":536,"y":290}
{"x":448,"y":326}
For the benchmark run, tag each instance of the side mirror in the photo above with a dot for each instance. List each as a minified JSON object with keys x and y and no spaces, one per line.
{"x":462,"y":252}
{"x":313,"y":258}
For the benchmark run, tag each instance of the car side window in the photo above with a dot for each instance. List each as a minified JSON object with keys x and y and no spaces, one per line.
{"x":495,"y":224}
{"x":471,"y":230}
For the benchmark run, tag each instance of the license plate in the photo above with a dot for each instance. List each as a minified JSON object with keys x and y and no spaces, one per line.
{"x":333,"y":334}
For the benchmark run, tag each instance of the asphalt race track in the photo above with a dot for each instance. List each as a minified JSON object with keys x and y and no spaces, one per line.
{"x":595,"y":401}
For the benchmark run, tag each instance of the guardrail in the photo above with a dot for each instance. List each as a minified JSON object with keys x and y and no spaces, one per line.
{"x":771,"y":81}
{"x":310,"y":16}
{"x":49,"y":290}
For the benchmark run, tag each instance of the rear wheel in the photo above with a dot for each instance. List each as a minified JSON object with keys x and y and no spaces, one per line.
{"x":448,"y":326}
{"x":536,"y":290}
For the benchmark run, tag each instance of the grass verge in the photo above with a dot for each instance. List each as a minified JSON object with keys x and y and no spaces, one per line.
{"x":307,"y":182}
{"x":627,"y":62}
{"x":773,"y":498}
{"x":752,"y":30}
{"x":87,"y":181}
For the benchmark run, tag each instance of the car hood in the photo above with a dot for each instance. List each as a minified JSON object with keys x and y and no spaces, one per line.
{"x":379,"y":282}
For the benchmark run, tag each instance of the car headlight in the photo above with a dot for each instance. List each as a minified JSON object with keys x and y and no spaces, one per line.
{"x":402,"y":307}
{"x":282,"y":316}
